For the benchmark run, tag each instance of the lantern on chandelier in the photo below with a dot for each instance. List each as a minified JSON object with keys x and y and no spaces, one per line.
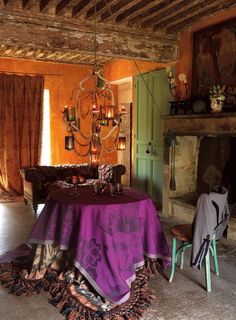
{"x":93,"y":102}
{"x":96,"y":105}
{"x":69,"y":143}
{"x":121,"y":144}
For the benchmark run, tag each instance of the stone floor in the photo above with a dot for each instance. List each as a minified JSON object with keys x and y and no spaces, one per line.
{"x":183,"y":299}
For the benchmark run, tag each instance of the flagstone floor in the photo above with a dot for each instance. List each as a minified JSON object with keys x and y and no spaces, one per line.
{"x":183,"y":299}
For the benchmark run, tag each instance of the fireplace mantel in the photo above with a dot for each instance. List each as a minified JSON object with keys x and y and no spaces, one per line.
{"x":190,"y":130}
{"x":201,"y":124}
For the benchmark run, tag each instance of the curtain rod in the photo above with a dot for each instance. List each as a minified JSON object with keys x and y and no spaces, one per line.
{"x":31,"y":73}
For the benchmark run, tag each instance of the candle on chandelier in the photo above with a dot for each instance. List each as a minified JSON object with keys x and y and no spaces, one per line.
{"x":110,"y":112}
{"x":98,"y":128}
{"x":104,"y":121}
{"x":95,"y":108}
{"x":94,"y":146}
{"x":121,"y":144}
{"x":69,"y":143}
{"x":123,"y":109}
{"x":95,"y":158}
{"x":71,"y":114}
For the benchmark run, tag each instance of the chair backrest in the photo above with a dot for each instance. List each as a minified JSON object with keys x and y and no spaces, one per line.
{"x":211,"y":219}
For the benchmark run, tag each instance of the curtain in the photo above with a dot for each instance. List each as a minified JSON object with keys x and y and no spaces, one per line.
{"x":21,"y":100}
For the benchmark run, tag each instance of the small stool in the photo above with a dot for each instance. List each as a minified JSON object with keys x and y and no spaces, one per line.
{"x":183,"y":233}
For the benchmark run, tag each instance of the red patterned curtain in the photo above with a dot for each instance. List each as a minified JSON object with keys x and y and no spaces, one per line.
{"x":21,"y":100}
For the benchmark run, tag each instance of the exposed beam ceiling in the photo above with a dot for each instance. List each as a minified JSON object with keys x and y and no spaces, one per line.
{"x":64,"y":30}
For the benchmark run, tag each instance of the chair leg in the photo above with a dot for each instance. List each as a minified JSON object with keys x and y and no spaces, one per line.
{"x":208,"y":272}
{"x":35,"y":207}
{"x":214,"y":253}
{"x":173,"y":260}
{"x":182,"y":259}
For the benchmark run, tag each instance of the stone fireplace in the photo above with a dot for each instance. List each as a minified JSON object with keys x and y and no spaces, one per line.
{"x":199,"y":153}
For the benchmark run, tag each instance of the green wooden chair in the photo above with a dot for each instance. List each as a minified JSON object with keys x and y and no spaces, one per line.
{"x":182,"y":235}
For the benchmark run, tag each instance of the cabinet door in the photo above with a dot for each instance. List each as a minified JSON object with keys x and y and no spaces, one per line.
{"x":149,"y":105}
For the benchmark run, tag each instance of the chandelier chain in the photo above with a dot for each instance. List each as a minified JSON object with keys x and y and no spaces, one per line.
{"x":135,"y":62}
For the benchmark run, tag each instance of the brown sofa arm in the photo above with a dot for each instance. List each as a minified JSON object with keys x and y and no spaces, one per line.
{"x":36,"y":178}
{"x":32,"y":180}
{"x":117,"y":171}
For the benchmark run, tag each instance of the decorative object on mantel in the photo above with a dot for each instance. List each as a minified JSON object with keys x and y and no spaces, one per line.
{"x":94,"y":102}
{"x":180,"y":104}
{"x":199,"y":105}
{"x":214,"y":61}
{"x":176,"y":93}
{"x":217,"y":97}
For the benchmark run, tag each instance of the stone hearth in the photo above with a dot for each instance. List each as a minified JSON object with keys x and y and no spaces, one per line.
{"x":203,"y":146}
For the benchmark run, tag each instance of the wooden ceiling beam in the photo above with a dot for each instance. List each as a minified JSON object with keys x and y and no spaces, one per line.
{"x":131,"y":11}
{"x":51,"y":34}
{"x":98,"y":7}
{"x":48,"y":6}
{"x":169,"y":13}
{"x":117,"y":8}
{"x":187,"y":12}
{"x":25,"y":3}
{"x":66,"y":8}
{"x":108,"y":4}
{"x":182,"y":14}
{"x":82,"y":7}
{"x":3,"y":48}
{"x":12,"y":4}
{"x":152,"y":12}
{"x":73,"y":56}
{"x":225,"y":4}
{"x":61,"y":6}
{"x":29,"y":52}
{"x":19,"y":51}
{"x":31,"y":5}
{"x":64,"y":55}
{"x":39,"y":54}
{"x":138,"y":11}
{"x":8,"y":51}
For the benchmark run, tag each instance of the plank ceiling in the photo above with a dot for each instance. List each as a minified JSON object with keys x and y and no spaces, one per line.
{"x":81,"y":31}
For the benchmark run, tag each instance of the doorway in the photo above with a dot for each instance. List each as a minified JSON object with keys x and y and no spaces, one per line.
{"x":151,"y":102}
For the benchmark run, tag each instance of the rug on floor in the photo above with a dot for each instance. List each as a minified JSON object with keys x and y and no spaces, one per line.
{"x":9,"y":197}
{"x":70,"y":291}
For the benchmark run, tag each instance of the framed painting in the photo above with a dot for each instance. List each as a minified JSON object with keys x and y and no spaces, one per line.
{"x":214,"y":61}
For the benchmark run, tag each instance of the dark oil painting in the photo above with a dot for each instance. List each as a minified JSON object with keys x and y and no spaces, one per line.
{"x":214,"y":60}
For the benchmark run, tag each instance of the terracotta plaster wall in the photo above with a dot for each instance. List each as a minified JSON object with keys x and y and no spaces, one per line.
{"x":122,"y":68}
{"x":184,"y":63}
{"x":60,"y":80}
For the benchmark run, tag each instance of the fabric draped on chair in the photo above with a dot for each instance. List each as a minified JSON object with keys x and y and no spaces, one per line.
{"x":21,"y":100}
{"x":211,"y":219}
{"x":210,"y":222}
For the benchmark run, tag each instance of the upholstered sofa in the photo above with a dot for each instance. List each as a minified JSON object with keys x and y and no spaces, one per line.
{"x":38,"y":181}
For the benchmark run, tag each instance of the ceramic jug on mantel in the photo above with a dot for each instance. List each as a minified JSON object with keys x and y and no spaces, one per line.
{"x":217,"y":98}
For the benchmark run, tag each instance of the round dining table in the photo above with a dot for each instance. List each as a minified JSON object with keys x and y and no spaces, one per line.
{"x":110,"y":235}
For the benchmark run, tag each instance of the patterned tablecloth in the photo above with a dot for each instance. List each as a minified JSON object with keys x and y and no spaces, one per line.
{"x":109,"y":236}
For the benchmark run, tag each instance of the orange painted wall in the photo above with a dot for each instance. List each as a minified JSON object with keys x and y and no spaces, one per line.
{"x":127,"y":68}
{"x":122,"y":68}
{"x":60,"y":79}
{"x":184,"y":64}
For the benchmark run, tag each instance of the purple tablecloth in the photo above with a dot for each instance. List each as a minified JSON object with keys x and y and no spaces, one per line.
{"x":110,"y":236}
